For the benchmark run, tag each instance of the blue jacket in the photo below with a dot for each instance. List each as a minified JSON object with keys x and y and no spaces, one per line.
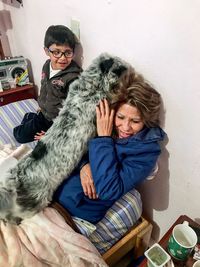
{"x":117,"y":165}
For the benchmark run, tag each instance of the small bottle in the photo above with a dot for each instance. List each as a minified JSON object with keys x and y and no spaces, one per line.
{"x":12,"y":83}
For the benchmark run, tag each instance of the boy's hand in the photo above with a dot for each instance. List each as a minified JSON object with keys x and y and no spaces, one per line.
{"x":38,"y":110}
{"x":105,"y":117}
{"x":87,"y":182}
{"x":38,"y":136}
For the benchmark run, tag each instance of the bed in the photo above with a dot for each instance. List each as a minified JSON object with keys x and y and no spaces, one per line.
{"x":121,"y":230}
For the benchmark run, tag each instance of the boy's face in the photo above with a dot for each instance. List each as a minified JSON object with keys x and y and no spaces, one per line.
{"x":59,"y":63}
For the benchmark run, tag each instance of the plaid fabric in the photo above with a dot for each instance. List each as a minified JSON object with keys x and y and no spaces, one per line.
{"x":11,"y":115}
{"x":117,"y":221}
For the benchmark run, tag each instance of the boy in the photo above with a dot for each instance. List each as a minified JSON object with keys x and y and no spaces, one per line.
{"x":57,"y":74}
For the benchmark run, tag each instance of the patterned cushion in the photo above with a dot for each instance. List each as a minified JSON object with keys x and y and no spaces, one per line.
{"x":117,"y":221}
{"x":11,"y":115}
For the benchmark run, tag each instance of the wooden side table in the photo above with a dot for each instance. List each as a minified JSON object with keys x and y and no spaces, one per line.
{"x":164,"y":242}
{"x":17,"y":94}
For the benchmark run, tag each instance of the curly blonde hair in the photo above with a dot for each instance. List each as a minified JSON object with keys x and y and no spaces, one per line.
{"x":134,"y":90}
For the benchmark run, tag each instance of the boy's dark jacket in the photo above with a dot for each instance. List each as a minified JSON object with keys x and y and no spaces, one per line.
{"x":53,"y":91}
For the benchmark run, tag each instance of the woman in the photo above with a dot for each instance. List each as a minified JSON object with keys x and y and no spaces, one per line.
{"x":122,"y":155}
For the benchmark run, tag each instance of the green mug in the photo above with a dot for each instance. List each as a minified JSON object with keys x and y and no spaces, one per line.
{"x":182,"y":241}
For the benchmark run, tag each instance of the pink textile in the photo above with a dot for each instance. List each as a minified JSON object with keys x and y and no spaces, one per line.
{"x":45,"y":240}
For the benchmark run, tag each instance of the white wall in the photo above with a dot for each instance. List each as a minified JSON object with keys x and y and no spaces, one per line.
{"x":161,"y":38}
{"x":5,"y":25}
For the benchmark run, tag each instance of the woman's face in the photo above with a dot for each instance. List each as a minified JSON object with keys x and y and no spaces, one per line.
{"x":128,"y":121}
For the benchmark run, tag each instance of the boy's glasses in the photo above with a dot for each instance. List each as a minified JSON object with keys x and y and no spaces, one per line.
{"x":59,"y":54}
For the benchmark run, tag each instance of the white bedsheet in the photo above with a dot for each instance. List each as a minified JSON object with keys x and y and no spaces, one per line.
{"x":45,"y":240}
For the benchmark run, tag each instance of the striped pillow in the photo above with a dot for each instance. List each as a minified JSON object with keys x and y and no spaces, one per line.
{"x":118,"y":220}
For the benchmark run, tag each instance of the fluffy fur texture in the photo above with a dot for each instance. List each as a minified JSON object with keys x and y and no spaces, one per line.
{"x":30,"y":185}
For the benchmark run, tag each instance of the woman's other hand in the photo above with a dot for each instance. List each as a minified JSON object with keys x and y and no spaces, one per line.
{"x":87,"y":182}
{"x":105,"y":117}
{"x":38,"y":136}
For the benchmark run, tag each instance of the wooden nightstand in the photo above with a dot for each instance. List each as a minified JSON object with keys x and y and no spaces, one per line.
{"x":164,"y":242}
{"x":17,"y":94}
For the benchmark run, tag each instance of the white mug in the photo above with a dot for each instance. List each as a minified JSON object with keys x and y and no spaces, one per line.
{"x":196,"y":264}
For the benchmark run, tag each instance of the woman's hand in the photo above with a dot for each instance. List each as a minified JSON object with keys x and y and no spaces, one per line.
{"x":87,"y":182}
{"x":105,"y":117}
{"x":38,"y":136}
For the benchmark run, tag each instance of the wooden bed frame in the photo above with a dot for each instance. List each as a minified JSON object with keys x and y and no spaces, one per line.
{"x":136,"y":240}
{"x":17,"y":94}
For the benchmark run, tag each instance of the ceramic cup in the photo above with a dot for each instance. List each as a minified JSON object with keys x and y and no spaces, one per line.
{"x":196,"y":264}
{"x":157,"y":256}
{"x":182,"y":241}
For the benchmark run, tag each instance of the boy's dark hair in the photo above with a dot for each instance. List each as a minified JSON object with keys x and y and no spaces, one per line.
{"x":59,"y":35}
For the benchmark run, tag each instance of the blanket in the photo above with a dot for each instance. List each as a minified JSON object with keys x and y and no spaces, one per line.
{"x":44,"y":240}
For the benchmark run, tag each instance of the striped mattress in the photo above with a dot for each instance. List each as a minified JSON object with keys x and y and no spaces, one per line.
{"x":11,"y":116}
{"x":118,"y":219}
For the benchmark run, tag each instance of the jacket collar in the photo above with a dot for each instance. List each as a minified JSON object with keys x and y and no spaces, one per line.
{"x":147,"y":135}
{"x":150,"y":134}
{"x":72,"y":68}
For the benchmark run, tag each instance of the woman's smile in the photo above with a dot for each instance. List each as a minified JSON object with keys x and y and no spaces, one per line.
{"x":124,"y":134}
